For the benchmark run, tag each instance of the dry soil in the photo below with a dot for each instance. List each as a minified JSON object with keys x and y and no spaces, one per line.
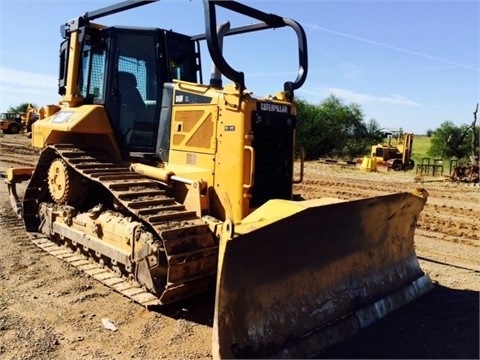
{"x":49,"y":310}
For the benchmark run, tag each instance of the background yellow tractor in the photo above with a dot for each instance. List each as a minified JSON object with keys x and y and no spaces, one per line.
{"x":10,"y":123}
{"x":396,"y":155}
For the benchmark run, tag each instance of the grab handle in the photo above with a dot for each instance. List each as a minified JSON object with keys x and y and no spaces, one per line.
{"x":302,"y":163}
{"x":252,"y":166}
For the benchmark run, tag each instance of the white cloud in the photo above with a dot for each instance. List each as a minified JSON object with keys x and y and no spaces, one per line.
{"x":17,"y":87}
{"x":11,"y":89}
{"x":362,"y":98}
{"x":350,"y":71}
{"x":391,"y":47}
{"x":26,"y":79}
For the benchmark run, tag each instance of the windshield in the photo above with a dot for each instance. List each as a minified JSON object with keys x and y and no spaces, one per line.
{"x":181,"y":58}
{"x":7,"y":116}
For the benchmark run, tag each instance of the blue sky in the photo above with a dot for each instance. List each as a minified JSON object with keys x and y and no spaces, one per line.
{"x":408,"y":64}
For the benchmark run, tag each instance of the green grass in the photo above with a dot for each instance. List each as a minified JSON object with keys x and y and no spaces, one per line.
{"x":421,"y":144}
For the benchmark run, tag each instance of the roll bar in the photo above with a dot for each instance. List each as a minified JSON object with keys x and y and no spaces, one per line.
{"x":266,"y":21}
{"x":83,"y":20}
{"x":112,"y":9}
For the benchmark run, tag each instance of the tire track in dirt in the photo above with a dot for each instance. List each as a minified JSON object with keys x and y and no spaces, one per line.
{"x":451,"y":212}
{"x":16,"y":151}
{"x":50,"y":310}
{"x":448,"y":227}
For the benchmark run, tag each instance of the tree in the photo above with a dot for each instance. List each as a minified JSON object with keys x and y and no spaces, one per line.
{"x":474,"y":134}
{"x":448,"y":141}
{"x":333,"y":129}
{"x":22,"y":108}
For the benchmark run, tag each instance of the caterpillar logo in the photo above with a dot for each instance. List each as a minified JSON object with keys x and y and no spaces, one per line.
{"x":284,"y":109}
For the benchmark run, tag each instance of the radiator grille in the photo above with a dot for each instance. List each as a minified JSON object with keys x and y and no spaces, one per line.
{"x":273,"y":144}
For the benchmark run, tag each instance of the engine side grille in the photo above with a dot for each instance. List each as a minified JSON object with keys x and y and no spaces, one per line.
{"x":273,"y":134}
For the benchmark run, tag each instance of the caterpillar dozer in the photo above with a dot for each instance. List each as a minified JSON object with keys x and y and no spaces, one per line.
{"x":10,"y":123}
{"x":396,"y":157}
{"x":31,"y":115}
{"x":159,"y":186}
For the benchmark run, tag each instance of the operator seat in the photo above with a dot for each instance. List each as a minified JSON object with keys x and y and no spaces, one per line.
{"x":133,"y":109}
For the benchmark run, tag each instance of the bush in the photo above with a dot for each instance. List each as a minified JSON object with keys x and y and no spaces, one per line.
{"x":333,"y":129}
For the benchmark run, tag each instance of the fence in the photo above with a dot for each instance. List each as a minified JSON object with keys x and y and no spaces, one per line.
{"x":428,"y":166}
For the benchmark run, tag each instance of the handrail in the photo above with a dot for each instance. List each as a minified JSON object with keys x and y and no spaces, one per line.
{"x":267,"y":21}
{"x":252,"y":166}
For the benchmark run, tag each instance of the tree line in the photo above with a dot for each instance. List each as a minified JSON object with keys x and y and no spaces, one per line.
{"x":461,"y":142}
{"x":333,"y":129}
{"x":21,"y":108}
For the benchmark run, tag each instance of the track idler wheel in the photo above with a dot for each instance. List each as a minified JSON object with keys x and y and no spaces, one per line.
{"x":64,"y":184}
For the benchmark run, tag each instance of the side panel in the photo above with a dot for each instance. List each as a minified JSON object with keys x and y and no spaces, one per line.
{"x":193,"y":132}
{"x":234,"y":162}
{"x":254,"y":161}
{"x":75,"y":125}
{"x":211,"y":141}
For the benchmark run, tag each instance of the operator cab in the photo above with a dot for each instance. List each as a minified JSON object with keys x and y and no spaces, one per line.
{"x":135,"y":63}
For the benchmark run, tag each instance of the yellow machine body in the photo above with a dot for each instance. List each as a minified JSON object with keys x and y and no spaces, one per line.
{"x":209,"y":143}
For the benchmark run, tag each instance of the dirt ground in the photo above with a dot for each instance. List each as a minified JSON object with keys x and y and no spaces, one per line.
{"x":49,"y":310}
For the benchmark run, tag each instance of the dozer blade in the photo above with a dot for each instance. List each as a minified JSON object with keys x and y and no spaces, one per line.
{"x":12,"y":177}
{"x":289,"y":286}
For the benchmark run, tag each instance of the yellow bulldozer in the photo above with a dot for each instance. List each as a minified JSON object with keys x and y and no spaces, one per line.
{"x":161,"y":186}
{"x":13,"y":123}
{"x":10,"y":123}
{"x":30,"y":116}
{"x":396,"y":156}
